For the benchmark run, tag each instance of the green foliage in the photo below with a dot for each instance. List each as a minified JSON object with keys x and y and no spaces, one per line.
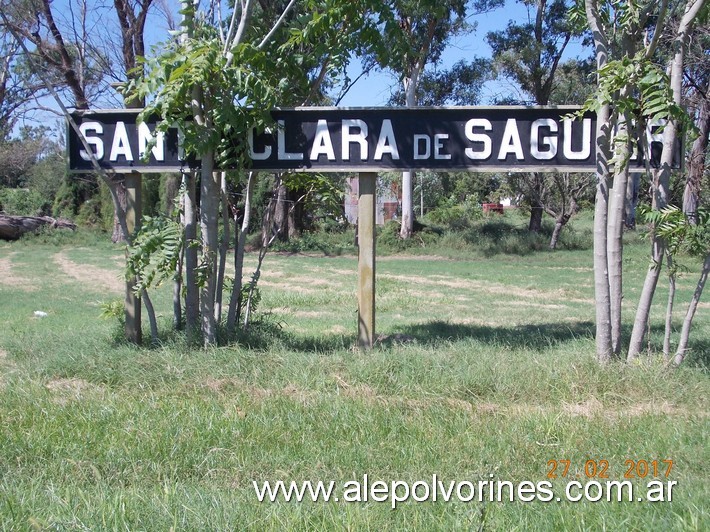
{"x":113,"y":309}
{"x":155,"y":252}
{"x":651,"y":99}
{"x":678,"y":231}
{"x":454,"y":215}
{"x":21,"y":201}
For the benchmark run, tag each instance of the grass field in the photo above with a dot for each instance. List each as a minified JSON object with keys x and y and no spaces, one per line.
{"x":485,"y":370}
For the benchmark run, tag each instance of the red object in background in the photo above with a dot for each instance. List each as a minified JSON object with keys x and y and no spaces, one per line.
{"x":493,"y":208}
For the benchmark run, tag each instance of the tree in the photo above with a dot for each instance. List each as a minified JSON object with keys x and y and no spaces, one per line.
{"x":219,"y":83}
{"x":529,"y":54}
{"x":414,"y":34}
{"x":632,"y":92}
{"x":660,"y":184}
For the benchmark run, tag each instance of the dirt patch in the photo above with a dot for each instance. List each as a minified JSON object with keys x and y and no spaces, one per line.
{"x":9,"y":276}
{"x":90,"y":276}
{"x":66,"y":390}
{"x":589,"y":408}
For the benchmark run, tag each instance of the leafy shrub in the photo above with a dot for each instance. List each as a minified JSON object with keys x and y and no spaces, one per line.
{"x":456,"y":216}
{"x":22,"y":202}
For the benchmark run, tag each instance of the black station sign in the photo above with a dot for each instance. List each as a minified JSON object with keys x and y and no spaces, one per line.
{"x":367,"y":139}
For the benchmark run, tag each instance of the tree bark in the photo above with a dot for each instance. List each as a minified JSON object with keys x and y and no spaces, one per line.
{"x":615,"y":231}
{"x":602,"y":297}
{"x":13,"y":227}
{"x":690,"y":314}
{"x":669,"y":309}
{"x":240,"y":241}
{"x":696,"y":161}
{"x":192,"y":296}
{"x":209,"y":207}
{"x":662,"y":178}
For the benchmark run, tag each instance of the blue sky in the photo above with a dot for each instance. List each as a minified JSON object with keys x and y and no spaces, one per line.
{"x":374,"y":90}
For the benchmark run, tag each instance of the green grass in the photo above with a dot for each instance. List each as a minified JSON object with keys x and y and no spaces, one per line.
{"x":486,"y":366}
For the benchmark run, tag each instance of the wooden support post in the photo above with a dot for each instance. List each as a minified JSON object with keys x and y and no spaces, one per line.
{"x":134,"y":332}
{"x":367,"y":202}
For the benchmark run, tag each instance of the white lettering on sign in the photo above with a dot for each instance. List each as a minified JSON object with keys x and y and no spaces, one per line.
{"x":544,"y":148}
{"x":96,"y":142}
{"x":322,"y":143}
{"x":120,"y":145}
{"x":480,"y":138}
{"x":586,"y":140}
{"x":359,"y":138}
{"x":282,"y":154}
{"x":254,"y":155}
{"x":387,"y":143}
{"x":511,"y":141}
{"x":417,"y":142}
{"x":439,"y":139}
{"x":145,"y":136}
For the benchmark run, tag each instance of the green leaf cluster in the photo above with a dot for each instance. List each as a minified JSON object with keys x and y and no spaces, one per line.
{"x":153,"y":257}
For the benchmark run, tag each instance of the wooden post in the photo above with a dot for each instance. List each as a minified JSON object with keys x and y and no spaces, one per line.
{"x":134,"y":332}
{"x":367,"y":202}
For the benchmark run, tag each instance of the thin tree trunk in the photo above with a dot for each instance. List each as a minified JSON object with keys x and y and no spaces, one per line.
{"x":151,"y":316}
{"x":536,"y":207}
{"x":615,"y":232}
{"x":669,"y":309}
{"x":560,"y":222}
{"x":643,"y":311}
{"x":224,"y":246}
{"x":281,"y":211}
{"x":209,"y":207}
{"x":602,"y":298}
{"x":690,"y":314}
{"x":407,"y":224}
{"x":177,"y":292}
{"x":696,"y":161}
{"x":240,"y":241}
{"x":662,"y":178}
{"x":192,"y":295}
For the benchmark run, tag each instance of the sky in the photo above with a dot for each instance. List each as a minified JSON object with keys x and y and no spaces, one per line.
{"x":373,"y":90}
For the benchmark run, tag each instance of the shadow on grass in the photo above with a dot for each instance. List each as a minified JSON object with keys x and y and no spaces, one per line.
{"x":537,"y":337}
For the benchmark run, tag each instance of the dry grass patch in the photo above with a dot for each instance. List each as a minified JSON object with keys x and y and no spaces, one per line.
{"x":91,"y":276}
{"x":10,"y":278}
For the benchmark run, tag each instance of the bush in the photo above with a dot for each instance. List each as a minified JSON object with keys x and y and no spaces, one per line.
{"x":22,"y":202}
{"x":456,"y":216}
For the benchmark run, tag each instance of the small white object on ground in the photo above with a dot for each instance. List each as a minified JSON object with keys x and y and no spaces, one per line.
{"x":40,"y":314}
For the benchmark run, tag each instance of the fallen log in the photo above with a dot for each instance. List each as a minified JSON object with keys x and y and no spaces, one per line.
{"x":13,"y":227}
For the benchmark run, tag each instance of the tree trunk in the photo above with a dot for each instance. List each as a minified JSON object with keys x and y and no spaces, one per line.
{"x":669,"y":309}
{"x":407,"y":227}
{"x":192,"y":296}
{"x":13,"y":227}
{"x":240,"y":241}
{"x":296,"y":223}
{"x":662,"y":178}
{"x":632,"y":199}
{"x":602,"y":298}
{"x":560,"y":222}
{"x":536,"y":211}
{"x":223,"y":247}
{"x":209,"y":208}
{"x":692,"y":308}
{"x":696,"y":161}
{"x":117,"y":235}
{"x":643,"y":311}
{"x":615,"y":232}
{"x":281,"y":212}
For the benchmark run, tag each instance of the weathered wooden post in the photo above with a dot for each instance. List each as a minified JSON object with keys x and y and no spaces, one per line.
{"x":133,"y":221}
{"x":367,"y":202}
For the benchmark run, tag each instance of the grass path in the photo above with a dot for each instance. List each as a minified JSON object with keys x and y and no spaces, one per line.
{"x":485,"y":370}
